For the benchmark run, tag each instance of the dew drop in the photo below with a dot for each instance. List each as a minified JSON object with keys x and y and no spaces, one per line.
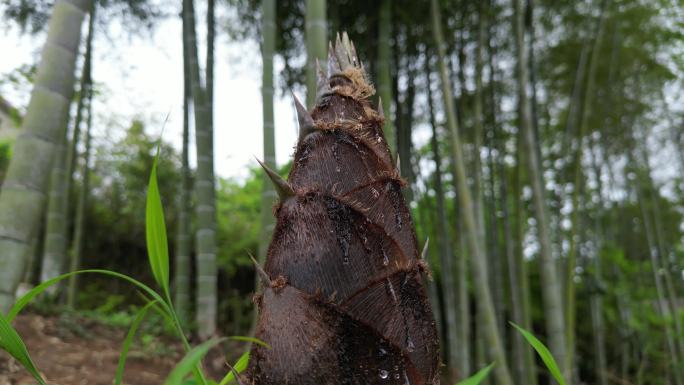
{"x":345,"y":260}
{"x":385,"y":258}
{"x":382,"y":352}
{"x":396,"y":376}
{"x":384,"y":374}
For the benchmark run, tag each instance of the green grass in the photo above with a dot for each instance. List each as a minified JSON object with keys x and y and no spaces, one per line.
{"x":158,"y":256}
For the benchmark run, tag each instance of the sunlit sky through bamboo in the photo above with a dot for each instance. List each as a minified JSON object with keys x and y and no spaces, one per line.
{"x":142,"y":77}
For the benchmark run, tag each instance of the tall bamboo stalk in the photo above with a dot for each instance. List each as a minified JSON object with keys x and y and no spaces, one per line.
{"x":663,"y":306}
{"x":183,"y":262}
{"x":24,"y":188}
{"x":522,"y":357}
{"x":551,"y":293}
{"x":205,"y":237}
{"x":478,"y":259}
{"x":268,"y":194}
{"x":385,"y":71}
{"x":316,"y":34}
{"x":596,"y":298}
{"x":570,"y":307}
{"x":58,"y":213}
{"x":82,"y":203}
{"x":445,"y":251}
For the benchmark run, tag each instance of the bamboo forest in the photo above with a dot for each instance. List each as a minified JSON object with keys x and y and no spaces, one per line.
{"x":302,"y":192}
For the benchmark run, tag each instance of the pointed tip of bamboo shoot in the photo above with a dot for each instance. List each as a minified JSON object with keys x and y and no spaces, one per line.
{"x":283,"y":188}
{"x":306,"y":122}
{"x":397,"y":165}
{"x":333,"y":64}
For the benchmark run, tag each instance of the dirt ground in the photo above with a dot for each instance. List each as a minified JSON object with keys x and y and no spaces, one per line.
{"x":85,"y":352}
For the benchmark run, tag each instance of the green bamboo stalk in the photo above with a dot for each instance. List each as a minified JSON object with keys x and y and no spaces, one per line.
{"x":384,"y":64}
{"x":670,"y":293}
{"x":663,"y":306}
{"x":316,"y":45}
{"x":478,"y":259}
{"x":57,"y":223}
{"x":183,"y":262}
{"x":82,"y":203}
{"x":54,"y":249}
{"x":522,"y":356}
{"x":204,"y":187}
{"x":551,"y":293}
{"x":268,"y":194}
{"x":445,"y":251}
{"x":570,"y":307}
{"x":596,"y":298}
{"x":24,"y":188}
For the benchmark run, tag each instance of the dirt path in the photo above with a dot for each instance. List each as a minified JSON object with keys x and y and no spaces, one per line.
{"x":84,"y":352}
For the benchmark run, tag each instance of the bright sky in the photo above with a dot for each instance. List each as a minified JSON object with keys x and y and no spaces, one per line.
{"x":142,"y":77}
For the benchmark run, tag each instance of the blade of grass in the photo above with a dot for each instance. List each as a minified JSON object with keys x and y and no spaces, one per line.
{"x":478,"y":377}
{"x":166,"y":307}
{"x":11,"y":342}
{"x":250,"y":339}
{"x":190,"y":362}
{"x":543,"y":352}
{"x":155,"y":232}
{"x":129,"y":340}
{"x":26,"y":298}
{"x":239,"y":367}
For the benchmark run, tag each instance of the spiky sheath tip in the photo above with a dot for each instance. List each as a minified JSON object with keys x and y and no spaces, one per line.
{"x":352,"y":308}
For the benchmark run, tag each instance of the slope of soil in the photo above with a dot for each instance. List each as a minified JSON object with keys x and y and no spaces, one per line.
{"x":82,"y":351}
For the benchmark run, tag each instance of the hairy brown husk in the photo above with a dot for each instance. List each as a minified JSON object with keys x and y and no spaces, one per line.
{"x":349,"y":305}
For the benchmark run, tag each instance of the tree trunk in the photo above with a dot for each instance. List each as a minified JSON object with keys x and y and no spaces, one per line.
{"x":385,"y":71}
{"x":316,"y":39}
{"x":204,"y":187}
{"x":183,"y":267}
{"x":553,"y":305}
{"x":82,"y":203}
{"x":23,"y":191}
{"x":478,"y":259}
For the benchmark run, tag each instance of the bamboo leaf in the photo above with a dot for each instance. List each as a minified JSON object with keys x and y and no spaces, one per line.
{"x":250,"y":339}
{"x":155,"y":232}
{"x":128,"y":340}
{"x":26,"y":298}
{"x":478,"y":377}
{"x":11,"y":342}
{"x":543,"y":352}
{"x":190,"y":362}
{"x":239,"y":367}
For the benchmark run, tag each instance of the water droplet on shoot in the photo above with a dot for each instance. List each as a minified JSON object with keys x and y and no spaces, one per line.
{"x":384,"y":374}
